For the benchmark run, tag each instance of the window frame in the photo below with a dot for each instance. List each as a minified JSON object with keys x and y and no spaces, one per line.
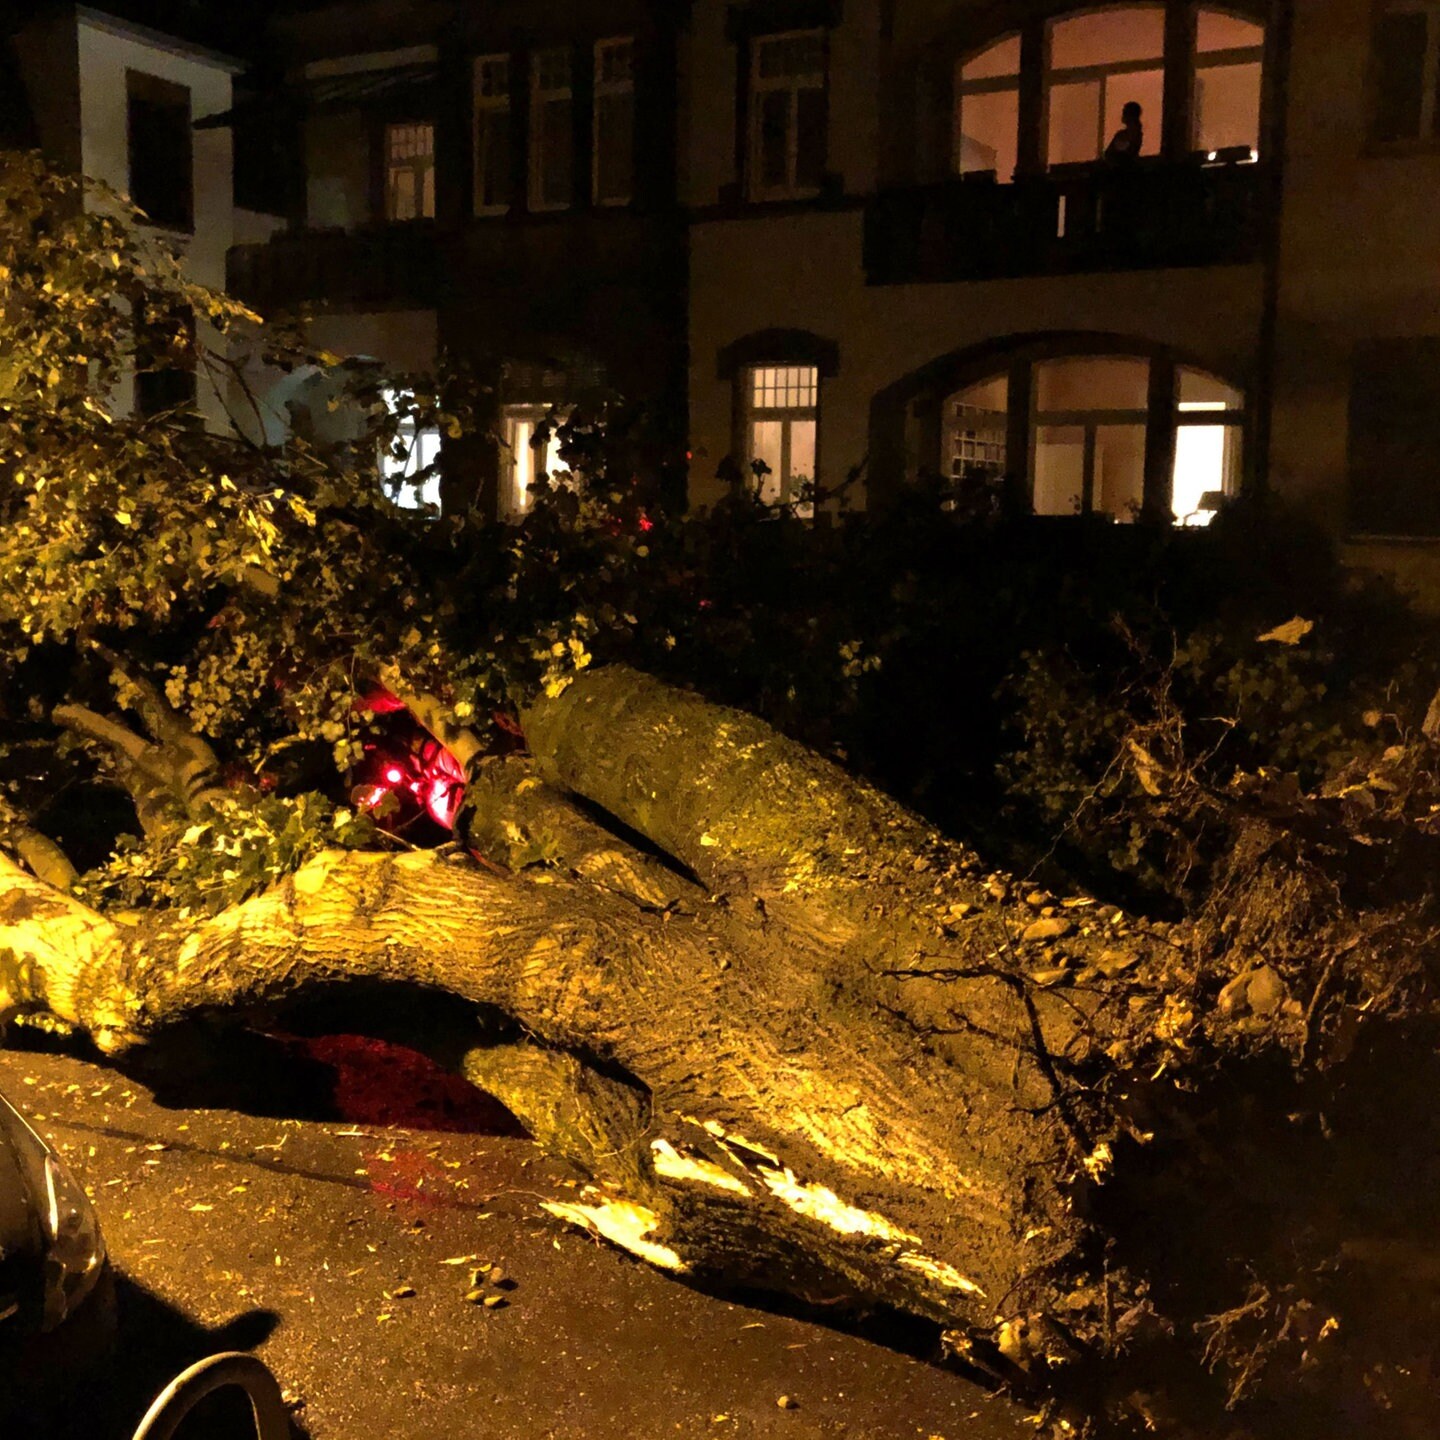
{"x":413,"y":435}
{"x":486,"y":105}
{"x":754,"y":413}
{"x":604,"y":89}
{"x":1161,"y":418}
{"x":514,"y":504}
{"x":758,"y":87}
{"x":1201,"y":60}
{"x":988,"y":85}
{"x":1038,"y":77}
{"x":157,"y":93}
{"x":389,"y":168}
{"x":1080,"y":74}
{"x":1428,"y":136}
{"x":539,"y":97}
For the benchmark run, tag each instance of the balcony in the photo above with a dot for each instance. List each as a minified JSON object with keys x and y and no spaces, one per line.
{"x":1069,"y":221}
{"x":347,"y":269}
{"x":422,"y":265}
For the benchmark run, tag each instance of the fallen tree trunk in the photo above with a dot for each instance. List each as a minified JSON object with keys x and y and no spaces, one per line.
{"x":796,"y":1039}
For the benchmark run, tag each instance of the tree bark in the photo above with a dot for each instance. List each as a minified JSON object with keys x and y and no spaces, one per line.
{"x":795,"y":1038}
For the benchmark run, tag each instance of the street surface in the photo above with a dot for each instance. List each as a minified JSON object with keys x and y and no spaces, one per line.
{"x":343,"y":1254}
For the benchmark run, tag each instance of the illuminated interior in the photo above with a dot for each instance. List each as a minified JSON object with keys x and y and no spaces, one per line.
{"x":409,"y":466}
{"x":1096,"y":63}
{"x":528,"y":456}
{"x":1090,"y":425}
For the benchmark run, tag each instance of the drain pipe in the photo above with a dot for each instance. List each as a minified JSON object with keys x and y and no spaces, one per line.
{"x":219,"y":1372}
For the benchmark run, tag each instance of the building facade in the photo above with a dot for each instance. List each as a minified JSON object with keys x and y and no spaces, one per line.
{"x":906,"y":210}
{"x":120,"y":101}
{"x":1121,"y":260}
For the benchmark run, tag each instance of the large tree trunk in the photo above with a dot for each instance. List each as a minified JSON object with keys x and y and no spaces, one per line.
{"x":796,"y":1039}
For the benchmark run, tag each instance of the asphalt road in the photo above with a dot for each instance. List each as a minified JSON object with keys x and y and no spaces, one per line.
{"x":343,"y":1254}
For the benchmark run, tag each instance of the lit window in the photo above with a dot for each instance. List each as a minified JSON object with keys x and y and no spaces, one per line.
{"x":1099,"y":63}
{"x":614,"y":174}
{"x":1229,"y":65}
{"x":493,"y":167}
{"x":1088,"y":436}
{"x":787,"y":116}
{"x":409,"y":464}
{"x":532,"y":450}
{"x":410,"y":172}
{"x":1091,"y":424}
{"x":1407,"y":72}
{"x":1208,"y":447}
{"x":781,"y":433}
{"x":987,"y":111}
{"x":552,"y":131}
{"x":976,"y":431}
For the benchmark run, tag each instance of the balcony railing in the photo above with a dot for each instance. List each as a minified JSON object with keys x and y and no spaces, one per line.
{"x":383,"y":265}
{"x":419,"y":264}
{"x":1074,"y":219}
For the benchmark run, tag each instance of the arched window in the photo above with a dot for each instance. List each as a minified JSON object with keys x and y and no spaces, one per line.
{"x":1092,"y":433}
{"x":1095,"y":63}
{"x":1099,"y":63}
{"x":1229,"y":62}
{"x":987,"y":110}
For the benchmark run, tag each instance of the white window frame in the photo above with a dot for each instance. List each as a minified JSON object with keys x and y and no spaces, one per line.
{"x":1428,"y":136}
{"x":610,"y":87}
{"x":420,"y":165}
{"x":787,"y":416}
{"x":792,"y":84}
{"x":493,"y":96}
{"x":541,"y":95}
{"x":1071,"y":75}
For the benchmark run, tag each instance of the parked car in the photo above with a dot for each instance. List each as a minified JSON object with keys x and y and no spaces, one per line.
{"x":57,"y":1297}
{"x":57,"y":1313}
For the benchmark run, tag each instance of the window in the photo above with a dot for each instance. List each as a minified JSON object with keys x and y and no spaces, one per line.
{"x":159,"y":138}
{"x":1099,"y":63}
{"x":976,"y":431}
{"x":165,"y":364}
{"x":493,"y":166}
{"x":1091,"y":425}
{"x":787,"y":115}
{"x":1406,"y":72}
{"x":409,"y":464}
{"x":410,"y":172}
{"x":781,"y":433}
{"x":1208,"y":435}
{"x":1088,"y":436}
{"x":614,"y":122}
{"x":552,"y":131}
{"x":532,"y":450}
{"x":1095,"y":64}
{"x":987,"y":111}
{"x":1229,"y":64}
{"x":1394,"y":457}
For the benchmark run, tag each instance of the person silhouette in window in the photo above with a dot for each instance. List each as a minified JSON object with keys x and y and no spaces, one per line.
{"x":1127,"y":142}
